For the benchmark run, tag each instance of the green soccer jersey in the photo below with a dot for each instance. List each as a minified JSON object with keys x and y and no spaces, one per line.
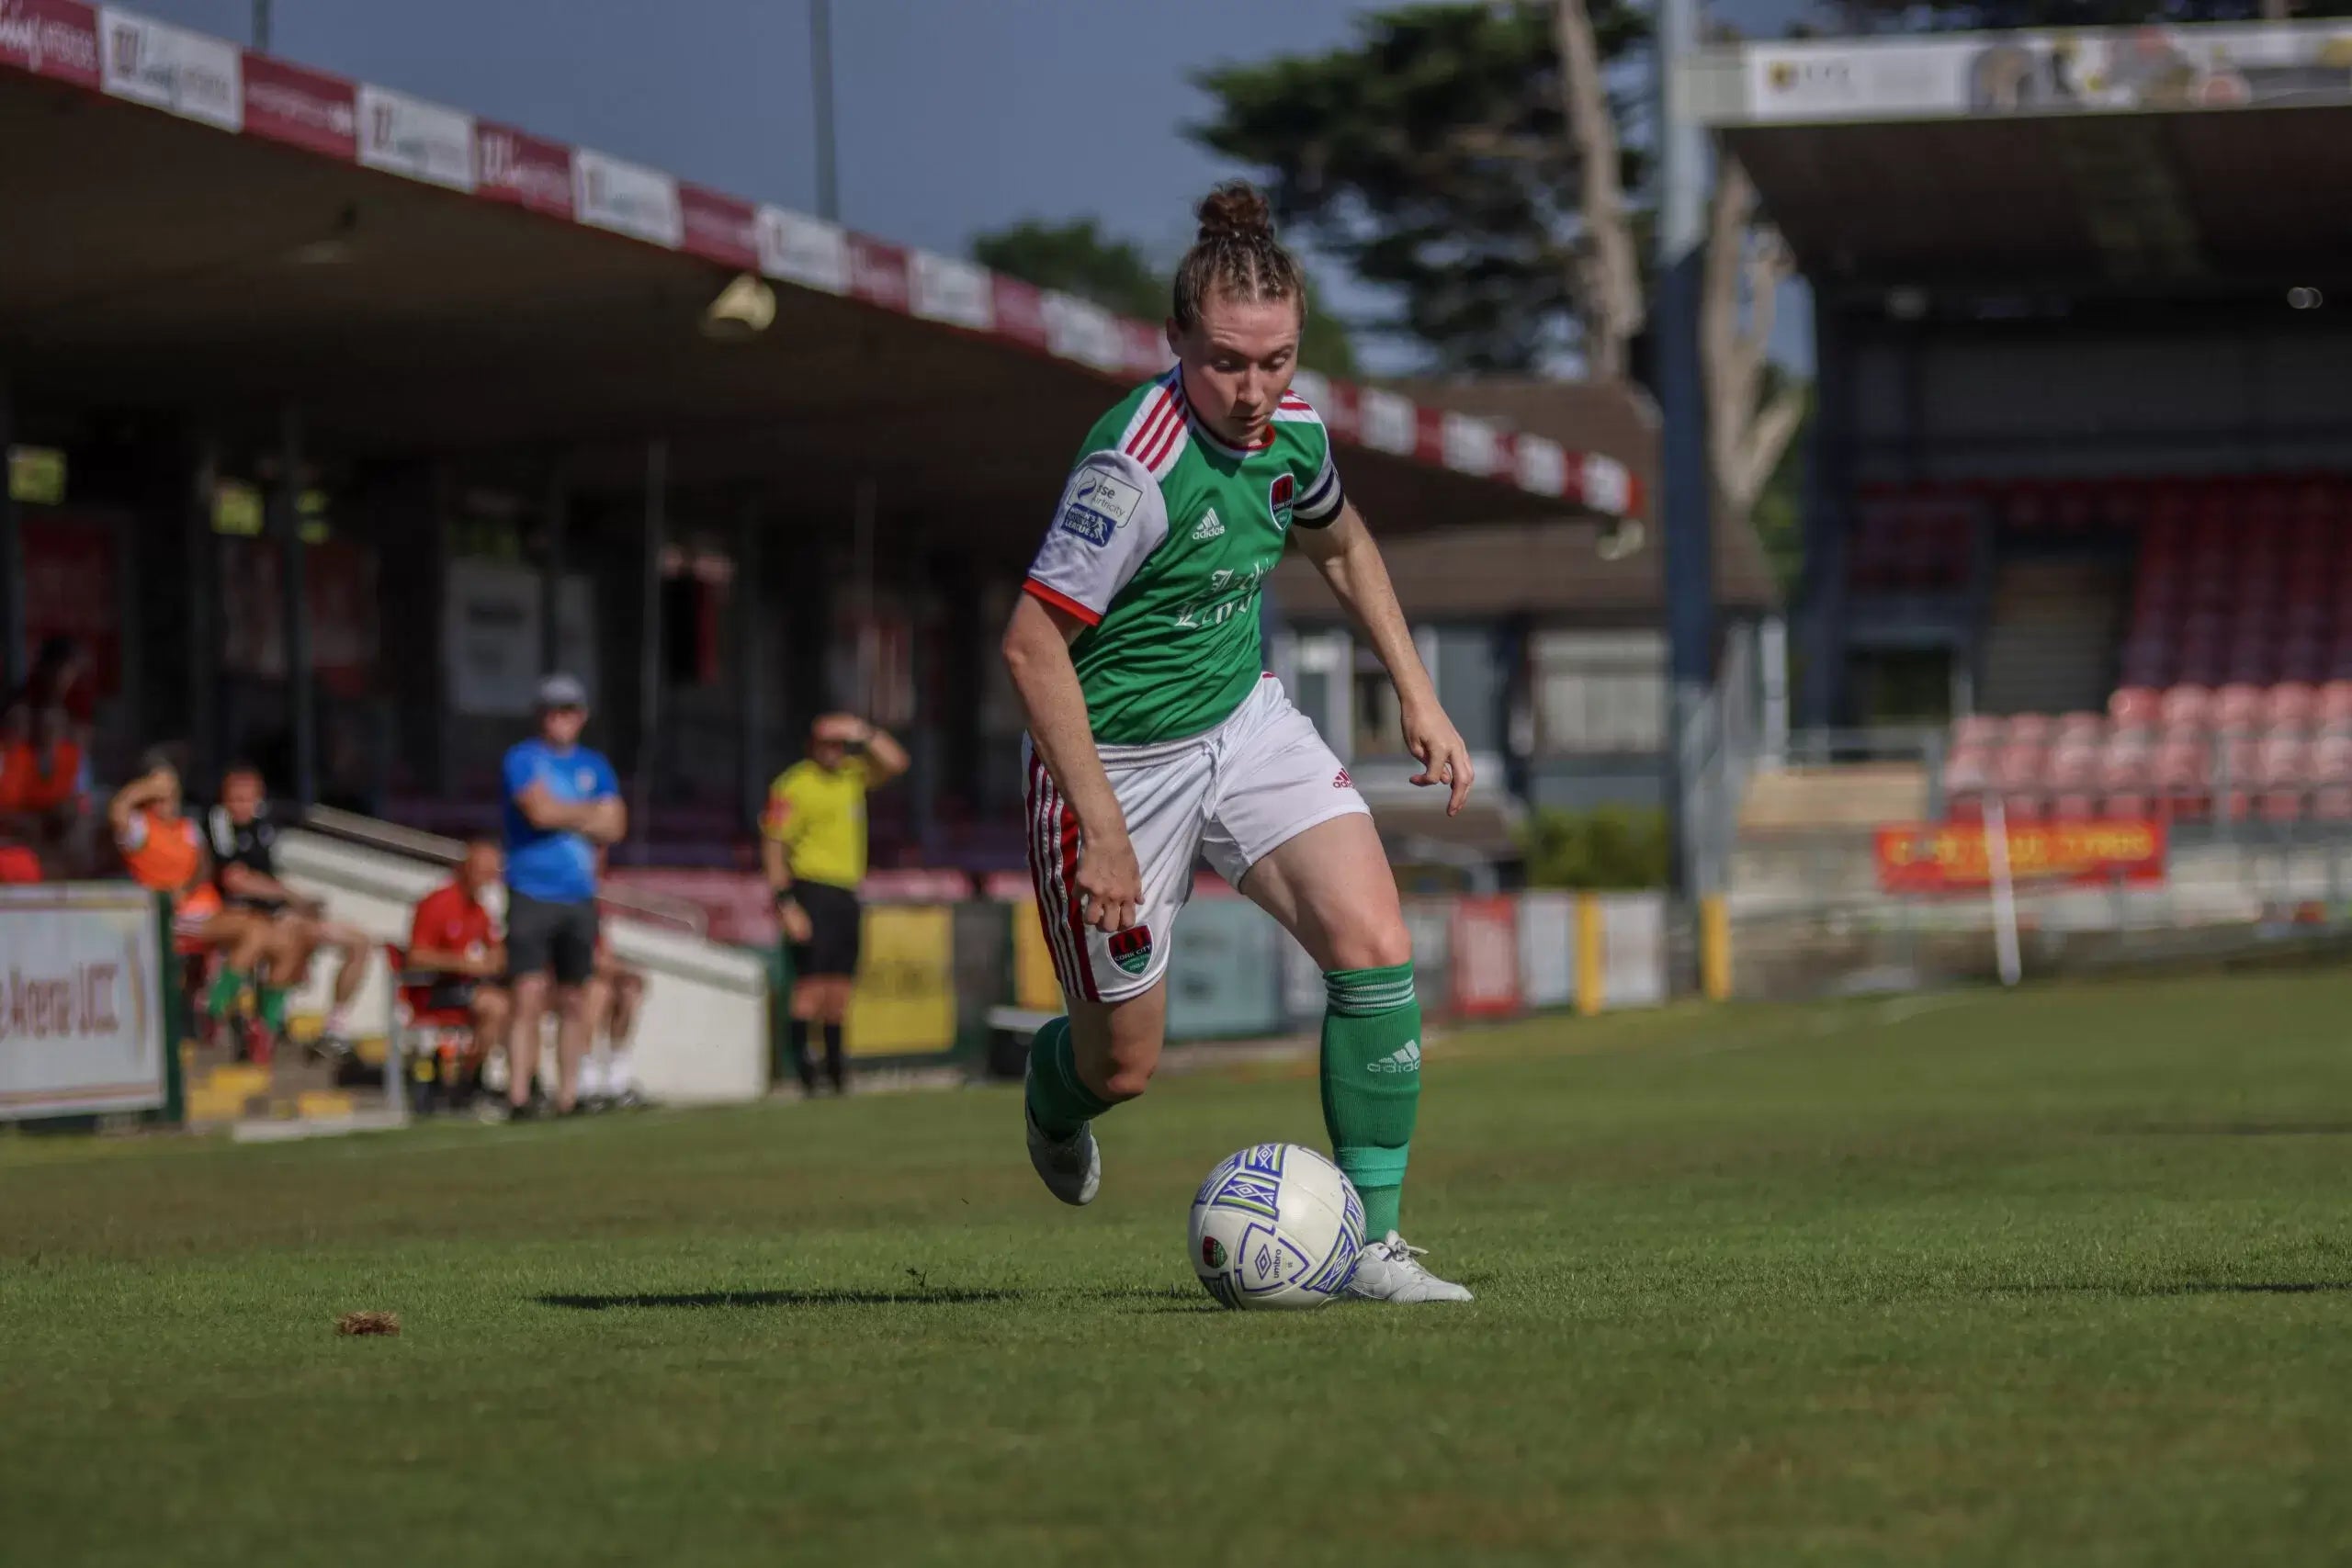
{"x":1161,"y":539}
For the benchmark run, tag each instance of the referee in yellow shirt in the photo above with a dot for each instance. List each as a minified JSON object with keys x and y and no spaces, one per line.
{"x":813,"y":843}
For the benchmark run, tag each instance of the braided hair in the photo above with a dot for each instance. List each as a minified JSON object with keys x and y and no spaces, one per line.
{"x":1236,"y":257}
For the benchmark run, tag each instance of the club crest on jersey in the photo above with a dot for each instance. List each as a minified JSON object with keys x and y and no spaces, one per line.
{"x":1131,"y":948}
{"x":1278,"y":499}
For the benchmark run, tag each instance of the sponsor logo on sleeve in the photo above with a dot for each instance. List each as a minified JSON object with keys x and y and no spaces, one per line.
{"x":1099,"y":504}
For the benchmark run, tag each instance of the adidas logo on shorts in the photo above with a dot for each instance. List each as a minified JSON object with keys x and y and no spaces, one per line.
{"x":1209,"y":527}
{"x":1406,"y":1058}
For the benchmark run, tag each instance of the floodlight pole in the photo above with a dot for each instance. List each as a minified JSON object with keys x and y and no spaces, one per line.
{"x":820,"y":70}
{"x":1687,"y":533}
{"x":261,"y":26}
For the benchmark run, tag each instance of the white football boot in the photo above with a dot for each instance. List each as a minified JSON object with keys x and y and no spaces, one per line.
{"x":1070,"y":1167}
{"x":1389,"y":1270}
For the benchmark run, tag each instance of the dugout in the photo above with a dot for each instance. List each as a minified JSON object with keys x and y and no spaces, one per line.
{"x":2082,"y":315}
{"x":339,"y":414}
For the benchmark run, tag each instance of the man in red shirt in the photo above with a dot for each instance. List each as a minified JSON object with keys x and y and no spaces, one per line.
{"x":451,"y":941}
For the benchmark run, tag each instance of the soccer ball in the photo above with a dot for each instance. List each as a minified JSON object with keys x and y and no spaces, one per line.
{"x":1276,"y":1225}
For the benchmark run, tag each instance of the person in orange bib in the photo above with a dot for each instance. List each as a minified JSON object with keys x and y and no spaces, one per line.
{"x":164,"y":851}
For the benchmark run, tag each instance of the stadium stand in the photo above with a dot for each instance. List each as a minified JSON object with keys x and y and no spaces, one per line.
{"x":2232,"y":688}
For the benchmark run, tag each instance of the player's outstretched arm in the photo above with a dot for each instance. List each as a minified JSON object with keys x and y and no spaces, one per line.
{"x":1036,"y":653}
{"x":1344,"y":553}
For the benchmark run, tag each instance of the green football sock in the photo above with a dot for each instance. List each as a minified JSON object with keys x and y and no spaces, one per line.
{"x":227,"y":987}
{"x":273,"y":1008}
{"x":1058,"y":1102}
{"x":1371,"y":1082}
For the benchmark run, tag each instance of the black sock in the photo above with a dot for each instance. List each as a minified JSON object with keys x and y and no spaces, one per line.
{"x":835,"y":1067}
{"x":796,"y":1038}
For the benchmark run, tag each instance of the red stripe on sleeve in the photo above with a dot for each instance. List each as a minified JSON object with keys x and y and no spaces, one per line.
{"x":1063,"y":602}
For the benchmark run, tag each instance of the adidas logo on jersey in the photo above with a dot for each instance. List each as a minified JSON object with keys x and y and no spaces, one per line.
{"x":1406,"y":1058}
{"x":1209,"y":527}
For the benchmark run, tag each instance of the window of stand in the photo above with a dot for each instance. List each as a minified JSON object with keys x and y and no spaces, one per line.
{"x":1599,"y":692}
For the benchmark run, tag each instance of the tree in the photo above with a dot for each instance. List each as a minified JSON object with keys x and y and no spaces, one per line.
{"x":1432,"y":156}
{"x":1470,"y":158}
{"x":1079,"y":258}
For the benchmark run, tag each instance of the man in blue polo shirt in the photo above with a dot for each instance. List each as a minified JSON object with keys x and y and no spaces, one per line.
{"x":562,"y":802}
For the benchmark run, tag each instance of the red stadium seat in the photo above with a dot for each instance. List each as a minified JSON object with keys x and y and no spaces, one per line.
{"x":2024,"y":805}
{"x":2030,"y":729}
{"x":2129,"y":805}
{"x":2332,"y":803}
{"x":2291,"y":704}
{"x":2072,"y":763}
{"x":2074,"y":807}
{"x":2079,"y":728}
{"x":2187,"y":706}
{"x":2136,"y":707}
{"x":2237,"y":706}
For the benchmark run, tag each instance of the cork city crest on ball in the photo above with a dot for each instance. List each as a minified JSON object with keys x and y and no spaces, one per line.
{"x":1131,"y":948}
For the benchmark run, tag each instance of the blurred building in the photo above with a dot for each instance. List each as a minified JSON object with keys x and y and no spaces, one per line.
{"x":337,"y":415}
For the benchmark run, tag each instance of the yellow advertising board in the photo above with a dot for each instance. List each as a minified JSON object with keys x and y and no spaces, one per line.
{"x":1034,"y":985}
{"x":905,"y":1002}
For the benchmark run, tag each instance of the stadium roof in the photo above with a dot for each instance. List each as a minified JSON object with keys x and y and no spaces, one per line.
{"x":2154,"y":159}
{"x":208,"y":227}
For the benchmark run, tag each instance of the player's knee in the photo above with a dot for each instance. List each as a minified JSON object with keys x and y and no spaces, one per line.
{"x":1127,"y":1080}
{"x":1379,"y":943}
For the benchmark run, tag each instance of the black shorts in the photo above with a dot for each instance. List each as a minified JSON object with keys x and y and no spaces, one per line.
{"x":452,"y":993}
{"x":542,"y":937}
{"x":835,"y":922}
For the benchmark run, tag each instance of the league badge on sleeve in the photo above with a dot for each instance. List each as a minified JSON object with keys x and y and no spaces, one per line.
{"x":1098,"y":505}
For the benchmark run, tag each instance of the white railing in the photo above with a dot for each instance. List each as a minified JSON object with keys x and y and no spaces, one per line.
{"x":414,"y":843}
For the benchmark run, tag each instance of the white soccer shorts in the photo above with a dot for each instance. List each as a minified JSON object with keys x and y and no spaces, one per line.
{"x":1235,"y":793}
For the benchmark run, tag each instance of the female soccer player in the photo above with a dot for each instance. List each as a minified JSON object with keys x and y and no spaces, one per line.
{"x":1154,"y":736}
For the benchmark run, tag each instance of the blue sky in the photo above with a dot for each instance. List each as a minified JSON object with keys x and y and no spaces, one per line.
{"x":954,"y":116}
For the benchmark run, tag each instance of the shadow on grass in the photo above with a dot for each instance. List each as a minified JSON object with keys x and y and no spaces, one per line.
{"x":2237,"y":1128}
{"x":2185,"y":1288}
{"x":700,"y":1299}
{"x":1160,"y":1299}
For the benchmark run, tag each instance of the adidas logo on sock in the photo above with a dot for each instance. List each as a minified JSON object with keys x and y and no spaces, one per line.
{"x":1406,"y":1058}
{"x":1209,"y":527}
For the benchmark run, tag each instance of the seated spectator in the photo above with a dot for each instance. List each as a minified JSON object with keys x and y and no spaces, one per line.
{"x":42,"y":804}
{"x":452,"y":947}
{"x":18,"y":865}
{"x":608,"y":1078}
{"x":244,"y":850}
{"x":64,"y":678}
{"x":166,"y":853}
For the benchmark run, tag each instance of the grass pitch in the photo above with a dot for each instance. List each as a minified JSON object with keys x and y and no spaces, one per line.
{"x":2058,"y":1278}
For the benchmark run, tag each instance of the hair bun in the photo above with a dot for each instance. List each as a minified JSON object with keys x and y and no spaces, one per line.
{"x":1236,"y":210}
